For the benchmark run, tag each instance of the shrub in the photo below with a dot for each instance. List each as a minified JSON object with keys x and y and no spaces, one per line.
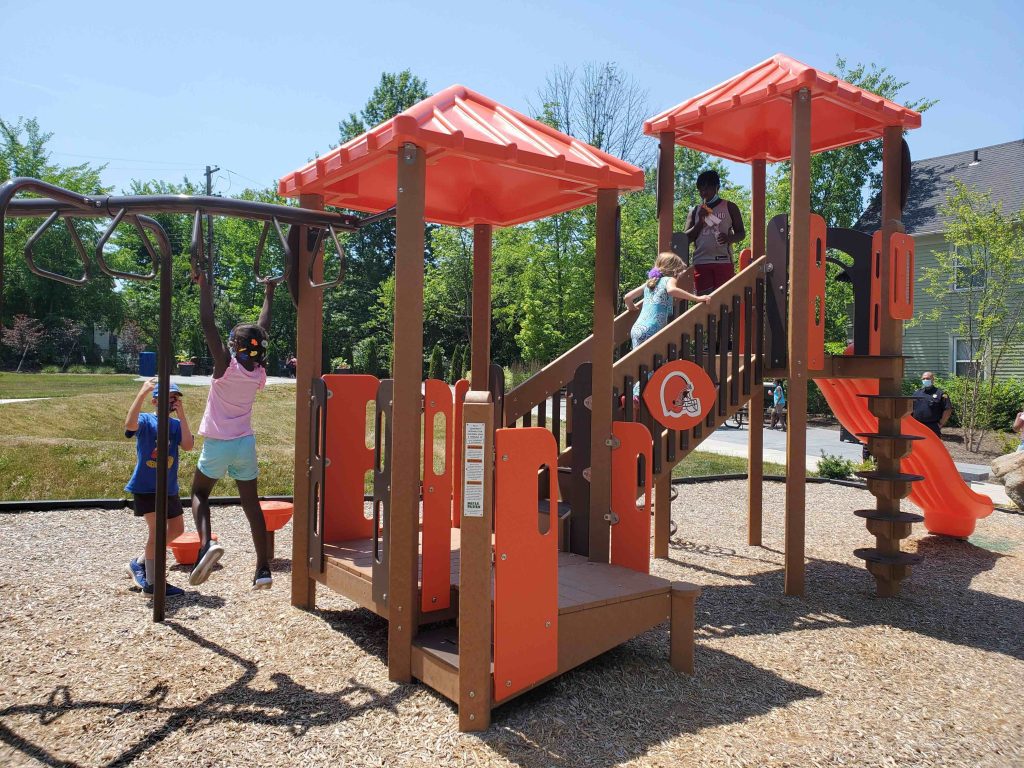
{"x":366,"y":356}
{"x":339,"y":364}
{"x":435,"y":370}
{"x":454,"y":366}
{"x":835,"y":467}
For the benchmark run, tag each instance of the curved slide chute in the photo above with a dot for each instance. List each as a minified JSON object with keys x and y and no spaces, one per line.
{"x":950,"y":506}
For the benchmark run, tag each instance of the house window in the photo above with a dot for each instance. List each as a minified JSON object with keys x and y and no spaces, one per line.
{"x":967,"y":356}
{"x":968,"y":272}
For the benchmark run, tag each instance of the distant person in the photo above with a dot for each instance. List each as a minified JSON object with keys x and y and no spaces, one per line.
{"x":142,"y":485}
{"x":291,"y":365}
{"x":713,"y":227}
{"x":229,"y":447}
{"x":778,"y":416}
{"x":1018,"y":427}
{"x":932,"y":406}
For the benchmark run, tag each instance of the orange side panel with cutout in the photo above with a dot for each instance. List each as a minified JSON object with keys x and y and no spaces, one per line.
{"x":875,"y":315}
{"x":437,"y":499}
{"x":901,"y":297}
{"x":525,"y":562}
{"x":816,"y":296}
{"x":461,"y":388}
{"x":631,"y":535}
{"x":348,"y":458}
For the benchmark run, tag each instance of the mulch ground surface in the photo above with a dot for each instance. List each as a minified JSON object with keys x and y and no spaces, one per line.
{"x":240,"y":678}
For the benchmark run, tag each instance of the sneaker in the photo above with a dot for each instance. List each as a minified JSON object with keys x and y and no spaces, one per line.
{"x":262,"y":579}
{"x":138,"y":573}
{"x":171,"y":591}
{"x":208,"y":557}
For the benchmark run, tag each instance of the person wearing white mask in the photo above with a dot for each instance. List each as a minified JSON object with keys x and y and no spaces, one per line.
{"x":932,"y":406}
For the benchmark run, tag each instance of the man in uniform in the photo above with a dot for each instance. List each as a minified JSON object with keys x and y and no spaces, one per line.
{"x":931,"y":405}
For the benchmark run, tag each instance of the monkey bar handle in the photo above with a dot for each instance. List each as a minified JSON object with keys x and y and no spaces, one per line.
{"x":272,"y":279}
{"x":101,"y":246}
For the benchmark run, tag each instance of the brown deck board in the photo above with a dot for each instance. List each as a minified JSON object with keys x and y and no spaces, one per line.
{"x":581,"y":583}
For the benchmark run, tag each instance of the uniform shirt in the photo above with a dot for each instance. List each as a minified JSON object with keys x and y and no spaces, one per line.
{"x":144,"y":477}
{"x":930,"y":404}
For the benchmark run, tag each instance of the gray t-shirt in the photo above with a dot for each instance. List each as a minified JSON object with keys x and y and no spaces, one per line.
{"x":706,"y":248}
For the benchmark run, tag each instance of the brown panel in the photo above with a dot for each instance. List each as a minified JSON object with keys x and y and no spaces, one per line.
{"x":684,"y":598}
{"x":308,"y":352}
{"x":734,"y":352}
{"x":799,"y":268}
{"x":430,"y":666}
{"x":754,"y":310}
{"x":605,"y":300}
{"x":317,"y":448}
{"x":407,"y":370}
{"x":481,"y":356}
{"x":579,"y":498}
{"x":475,"y":563}
{"x":383,"y":442}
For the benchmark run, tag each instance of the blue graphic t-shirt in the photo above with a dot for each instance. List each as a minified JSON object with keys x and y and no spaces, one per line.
{"x":144,"y":477}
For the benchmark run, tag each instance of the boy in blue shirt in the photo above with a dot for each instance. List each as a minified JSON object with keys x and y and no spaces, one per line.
{"x":143,"y":427}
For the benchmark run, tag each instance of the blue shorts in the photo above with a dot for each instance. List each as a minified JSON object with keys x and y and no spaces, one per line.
{"x":236,"y":458}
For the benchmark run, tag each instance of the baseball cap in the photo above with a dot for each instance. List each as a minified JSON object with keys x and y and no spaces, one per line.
{"x":156,"y":390}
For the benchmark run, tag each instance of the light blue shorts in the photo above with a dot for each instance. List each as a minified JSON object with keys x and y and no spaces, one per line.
{"x":236,"y":458}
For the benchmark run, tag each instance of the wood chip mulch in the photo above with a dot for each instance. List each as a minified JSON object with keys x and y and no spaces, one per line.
{"x":240,"y":678}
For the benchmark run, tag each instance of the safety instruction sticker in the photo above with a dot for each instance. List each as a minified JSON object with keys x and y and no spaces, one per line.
{"x":473,"y":471}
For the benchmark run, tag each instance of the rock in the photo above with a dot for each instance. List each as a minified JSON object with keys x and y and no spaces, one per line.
{"x":1009,"y":470}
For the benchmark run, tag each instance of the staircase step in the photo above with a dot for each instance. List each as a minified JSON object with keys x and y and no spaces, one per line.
{"x":899,"y":517}
{"x":872,"y":555}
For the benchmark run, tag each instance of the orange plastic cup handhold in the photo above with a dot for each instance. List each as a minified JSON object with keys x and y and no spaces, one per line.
{"x":185,"y":548}
{"x":276,"y":514}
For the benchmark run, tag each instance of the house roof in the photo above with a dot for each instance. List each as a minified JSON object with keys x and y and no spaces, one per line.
{"x":749,"y":116}
{"x":999,"y":170}
{"x":486,"y":164}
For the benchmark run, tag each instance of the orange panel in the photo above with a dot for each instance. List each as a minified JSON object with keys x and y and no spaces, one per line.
{"x":875,"y":315}
{"x":437,"y":500}
{"x":525,"y":562}
{"x":461,"y":388}
{"x":901,"y":296}
{"x":816,"y":295}
{"x":348,"y":458}
{"x":631,"y":535}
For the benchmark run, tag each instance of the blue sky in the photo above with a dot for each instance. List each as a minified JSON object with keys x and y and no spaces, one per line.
{"x":159,"y":90}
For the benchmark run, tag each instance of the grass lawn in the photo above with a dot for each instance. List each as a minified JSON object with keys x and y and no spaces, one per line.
{"x":702,"y":463}
{"x":14,"y":385}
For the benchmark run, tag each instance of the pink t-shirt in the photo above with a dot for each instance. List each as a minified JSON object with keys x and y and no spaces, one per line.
{"x":228,"y":411}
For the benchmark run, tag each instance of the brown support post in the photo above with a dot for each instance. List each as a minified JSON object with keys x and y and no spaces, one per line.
{"x":605,"y":297}
{"x":481,"y":361}
{"x":407,"y":372}
{"x":799,"y":265}
{"x":755,"y":460}
{"x":666,"y":189}
{"x":475,"y":566}
{"x":308,"y":352}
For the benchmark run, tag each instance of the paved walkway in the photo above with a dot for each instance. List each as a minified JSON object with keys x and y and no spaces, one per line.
{"x":5,"y":401}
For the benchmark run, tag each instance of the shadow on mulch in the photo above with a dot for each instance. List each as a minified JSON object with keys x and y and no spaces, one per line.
{"x":288,"y":705}
{"x":936,"y":601}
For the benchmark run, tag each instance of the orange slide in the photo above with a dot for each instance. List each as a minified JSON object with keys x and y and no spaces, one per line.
{"x":950,"y":506}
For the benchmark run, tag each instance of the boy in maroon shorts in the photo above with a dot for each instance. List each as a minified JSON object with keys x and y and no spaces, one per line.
{"x":712,"y":227}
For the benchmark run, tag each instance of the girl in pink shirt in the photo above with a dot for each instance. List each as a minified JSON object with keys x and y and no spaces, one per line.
{"x":229,"y":445}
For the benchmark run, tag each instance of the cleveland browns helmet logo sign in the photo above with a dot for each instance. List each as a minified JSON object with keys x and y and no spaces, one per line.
{"x":679,"y":395}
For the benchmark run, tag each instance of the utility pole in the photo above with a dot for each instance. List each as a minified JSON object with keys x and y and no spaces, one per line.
{"x":209,"y":220}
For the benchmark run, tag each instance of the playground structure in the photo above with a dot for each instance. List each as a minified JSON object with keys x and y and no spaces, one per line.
{"x":522,"y":549}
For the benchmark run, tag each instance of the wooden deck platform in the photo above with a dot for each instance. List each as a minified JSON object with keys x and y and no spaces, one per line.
{"x":600,"y":606}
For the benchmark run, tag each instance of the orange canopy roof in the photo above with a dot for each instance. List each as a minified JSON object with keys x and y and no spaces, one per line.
{"x":486,"y":164}
{"x":749,"y":117}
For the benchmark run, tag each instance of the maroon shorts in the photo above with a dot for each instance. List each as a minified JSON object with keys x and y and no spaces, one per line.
{"x":708,"y":277}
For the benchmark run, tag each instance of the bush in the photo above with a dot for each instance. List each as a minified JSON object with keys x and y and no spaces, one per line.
{"x":997,"y":408}
{"x":339,"y":364}
{"x":435,"y":370}
{"x":835,"y":467}
{"x":455,"y":365}
{"x":366,"y":357}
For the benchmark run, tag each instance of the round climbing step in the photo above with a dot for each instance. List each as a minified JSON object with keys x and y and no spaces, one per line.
{"x":888,"y":517}
{"x":872,"y":555}
{"x":885,"y":477}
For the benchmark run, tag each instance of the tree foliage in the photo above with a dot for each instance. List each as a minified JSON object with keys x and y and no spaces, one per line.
{"x":978,"y":282}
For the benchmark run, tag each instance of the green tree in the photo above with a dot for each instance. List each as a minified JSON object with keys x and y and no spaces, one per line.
{"x":435,"y":370}
{"x":987,"y":255}
{"x":23,"y":152}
